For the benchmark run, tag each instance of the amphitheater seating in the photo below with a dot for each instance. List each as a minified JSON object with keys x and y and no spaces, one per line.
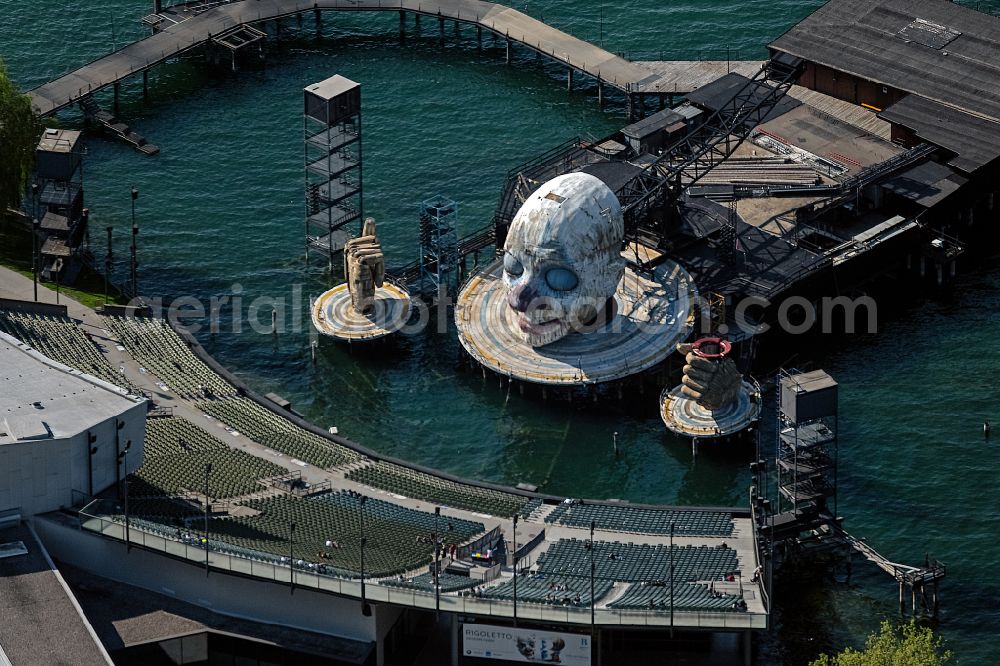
{"x":544,"y":589}
{"x":394,"y":544}
{"x":425,"y":582}
{"x":530,"y":507}
{"x":687,"y":597}
{"x":62,"y":340}
{"x":637,"y":562}
{"x":157,"y":347}
{"x":267,"y":428}
{"x":643,"y":521}
{"x":411,"y":483}
{"x":175,"y":456}
{"x":163,"y":509}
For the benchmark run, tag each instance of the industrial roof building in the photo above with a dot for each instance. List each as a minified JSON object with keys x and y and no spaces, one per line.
{"x":929,"y":67}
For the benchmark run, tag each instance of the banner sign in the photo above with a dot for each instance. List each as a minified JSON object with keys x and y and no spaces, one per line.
{"x":533,"y":646}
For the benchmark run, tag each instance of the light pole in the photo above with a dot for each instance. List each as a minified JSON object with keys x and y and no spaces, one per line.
{"x":34,"y":254}
{"x":92,"y":451}
{"x":514,"y":554}
{"x":291,"y":554}
{"x":34,"y":236}
{"x":437,"y":562}
{"x":107,"y":267}
{"x":123,"y":460}
{"x":57,"y":266}
{"x":208,"y":470}
{"x":365,"y":610}
{"x":135,"y":232}
{"x":671,"y":580}
{"x":592,"y":571}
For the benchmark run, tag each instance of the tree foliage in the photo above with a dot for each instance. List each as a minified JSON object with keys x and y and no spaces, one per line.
{"x":19,"y":132}
{"x":908,"y":645}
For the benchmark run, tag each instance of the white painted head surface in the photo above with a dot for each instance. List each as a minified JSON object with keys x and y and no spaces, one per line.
{"x":562,"y":259}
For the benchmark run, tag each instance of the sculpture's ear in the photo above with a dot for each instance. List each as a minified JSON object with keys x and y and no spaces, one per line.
{"x":369,"y":227}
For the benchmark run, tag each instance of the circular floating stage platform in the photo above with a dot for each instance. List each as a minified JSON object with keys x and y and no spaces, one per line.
{"x":333,"y":315}
{"x":685,"y":417}
{"x":651,"y":316}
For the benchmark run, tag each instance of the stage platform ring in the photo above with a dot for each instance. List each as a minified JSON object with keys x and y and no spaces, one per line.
{"x":333,"y":315}
{"x":685,"y":417}
{"x":652,"y":316}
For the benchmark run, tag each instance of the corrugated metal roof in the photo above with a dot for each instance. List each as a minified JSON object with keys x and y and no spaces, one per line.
{"x":975,"y":141}
{"x":871,"y":39}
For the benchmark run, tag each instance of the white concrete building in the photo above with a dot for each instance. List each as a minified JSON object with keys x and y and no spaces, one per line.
{"x":61,"y":431}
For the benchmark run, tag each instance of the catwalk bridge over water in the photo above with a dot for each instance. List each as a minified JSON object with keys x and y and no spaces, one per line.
{"x":182,"y":28}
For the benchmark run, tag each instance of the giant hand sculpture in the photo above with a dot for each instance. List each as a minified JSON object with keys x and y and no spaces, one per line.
{"x":562,"y":259}
{"x":364,"y":267}
{"x":710,"y":376}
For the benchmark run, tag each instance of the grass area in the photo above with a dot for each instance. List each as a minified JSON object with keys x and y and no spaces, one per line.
{"x":15,"y":254}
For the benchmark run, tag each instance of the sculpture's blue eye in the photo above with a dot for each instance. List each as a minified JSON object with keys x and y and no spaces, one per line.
{"x":511,"y":265}
{"x":561,"y":279}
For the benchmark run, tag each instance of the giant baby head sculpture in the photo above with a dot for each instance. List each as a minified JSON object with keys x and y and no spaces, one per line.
{"x":562,"y":259}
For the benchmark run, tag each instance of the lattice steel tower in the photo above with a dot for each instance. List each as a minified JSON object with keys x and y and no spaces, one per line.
{"x":807,"y":443}
{"x":439,"y":243}
{"x":332,"y":129}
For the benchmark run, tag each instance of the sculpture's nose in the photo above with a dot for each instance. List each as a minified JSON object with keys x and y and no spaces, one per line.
{"x":521,"y":296}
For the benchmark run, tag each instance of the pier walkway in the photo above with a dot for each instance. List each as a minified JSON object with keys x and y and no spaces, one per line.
{"x":181,"y":28}
{"x":181,"y":36}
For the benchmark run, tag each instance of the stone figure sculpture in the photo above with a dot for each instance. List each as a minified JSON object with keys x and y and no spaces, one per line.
{"x":562,"y":259}
{"x":711,"y":378}
{"x":364,"y":267}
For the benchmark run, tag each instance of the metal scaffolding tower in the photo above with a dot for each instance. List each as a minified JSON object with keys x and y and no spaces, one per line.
{"x":807,"y":443}
{"x":438,"y":244}
{"x":332,"y":130}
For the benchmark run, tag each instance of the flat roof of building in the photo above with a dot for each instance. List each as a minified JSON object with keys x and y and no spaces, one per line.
{"x":806,"y":382}
{"x":934,"y":48}
{"x":42,"y":399}
{"x":59,"y":140}
{"x":41,"y":624}
{"x":974,"y":140}
{"x":942,"y":53}
{"x":331,"y":87}
{"x":717,"y":94}
{"x":926,"y":184}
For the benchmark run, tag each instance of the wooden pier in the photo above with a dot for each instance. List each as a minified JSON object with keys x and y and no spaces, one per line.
{"x":117,"y":128}
{"x":182,"y":28}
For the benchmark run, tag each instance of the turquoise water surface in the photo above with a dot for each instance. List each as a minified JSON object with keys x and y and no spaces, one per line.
{"x":221,"y":214}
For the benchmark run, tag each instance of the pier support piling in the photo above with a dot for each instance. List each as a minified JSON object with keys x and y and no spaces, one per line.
{"x":145,"y":84}
{"x":600,"y":93}
{"x":940,"y":273}
{"x":416,"y":22}
{"x":508,"y":50}
{"x":902,"y":607}
{"x":402,"y":24}
{"x":318,"y":15}
{"x":479,"y":37}
{"x":441,"y":29}
{"x":569,"y":78}
{"x":117,"y":88}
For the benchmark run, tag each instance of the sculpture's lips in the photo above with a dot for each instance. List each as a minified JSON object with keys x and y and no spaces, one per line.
{"x":537,"y":328}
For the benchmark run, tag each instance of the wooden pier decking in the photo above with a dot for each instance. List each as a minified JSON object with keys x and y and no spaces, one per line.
{"x":182,"y":31}
{"x":176,"y":38}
